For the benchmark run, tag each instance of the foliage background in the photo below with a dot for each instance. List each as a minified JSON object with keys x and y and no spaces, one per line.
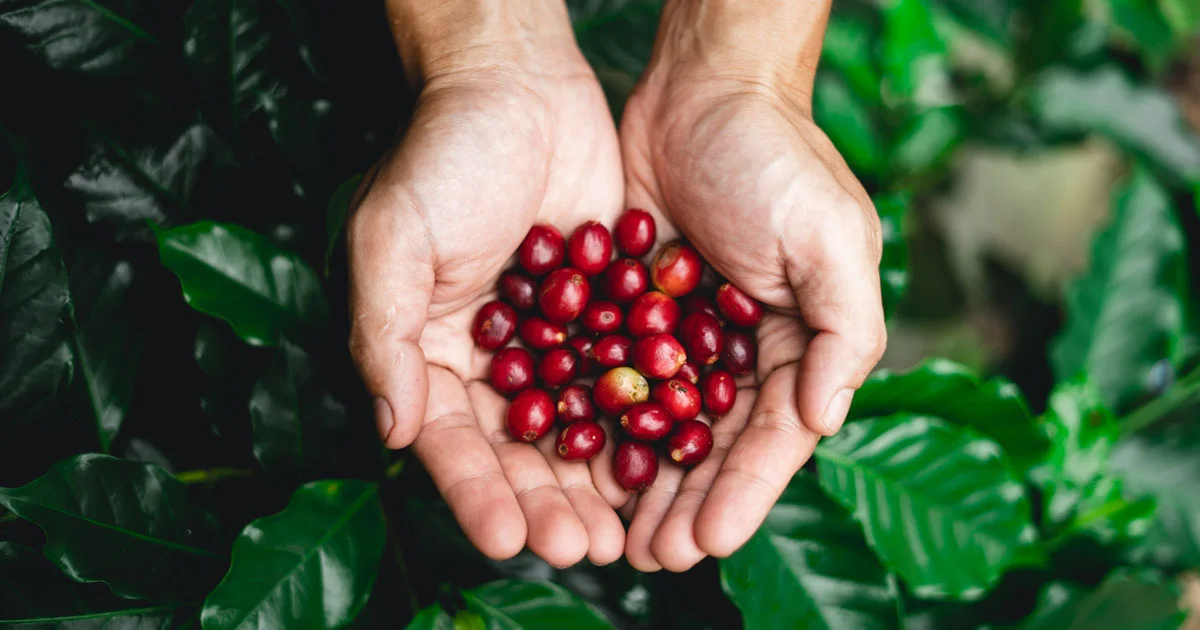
{"x":177,"y":403}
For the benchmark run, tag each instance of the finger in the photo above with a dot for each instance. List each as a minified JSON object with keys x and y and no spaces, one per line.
{"x":674,"y":544}
{"x":465,"y":470}
{"x":555,"y":532}
{"x":839,"y":299}
{"x":601,"y":467}
{"x":652,"y":505}
{"x":606,"y":536}
{"x":772,"y":447}
{"x":391,"y":281}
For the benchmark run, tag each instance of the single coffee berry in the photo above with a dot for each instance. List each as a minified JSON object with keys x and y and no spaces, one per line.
{"x":563,"y":295}
{"x":582,"y":345}
{"x":652,"y":313}
{"x":679,"y":397}
{"x":635,"y":465}
{"x":574,"y":404}
{"x":511,"y":370}
{"x":519,"y":290}
{"x":718,"y":392}
{"x":698,"y":302}
{"x":737,"y":307}
{"x":612,"y":351}
{"x":540,"y":334}
{"x":624,"y":280}
{"x":676,"y":269}
{"x":690,"y":371}
{"x":635,"y":233}
{"x":558,"y":367}
{"x":619,"y":389}
{"x":494,"y":325}
{"x":601,"y":317}
{"x":702,"y":337}
{"x":530,"y":415}
{"x":580,"y":441}
{"x":543,"y":250}
{"x":658,"y":356}
{"x":648,"y":421}
{"x":590,"y":248}
{"x":691,"y":441}
{"x":739,"y":354}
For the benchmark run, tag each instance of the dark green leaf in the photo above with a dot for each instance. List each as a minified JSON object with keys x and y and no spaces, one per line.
{"x":82,"y":36}
{"x":1141,"y":118}
{"x":1144,"y":25}
{"x":335,"y":216}
{"x":1051,"y":24}
{"x":298,"y":425}
{"x":1127,"y":600}
{"x":515,"y":605}
{"x":991,"y":18}
{"x":809,"y":566}
{"x":108,"y":346}
{"x":937,"y":502}
{"x":847,"y":122}
{"x":893,"y":265}
{"x":914,"y":56}
{"x":1126,"y":313}
{"x":310,"y":566}
{"x":35,"y":351}
{"x":947,"y":390}
{"x":126,"y":524}
{"x":616,"y":37}
{"x":241,"y":277}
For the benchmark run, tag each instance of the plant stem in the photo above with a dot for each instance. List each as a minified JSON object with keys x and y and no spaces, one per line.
{"x":213,"y":475}
{"x":1183,"y":392}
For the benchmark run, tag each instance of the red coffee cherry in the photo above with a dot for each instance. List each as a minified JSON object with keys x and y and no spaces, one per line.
{"x":542,"y":250}
{"x":718,"y":392}
{"x":511,"y":370}
{"x":575,"y":404}
{"x":691,"y":441}
{"x":635,"y":465}
{"x":590,"y":248}
{"x":679,"y":397}
{"x":619,"y":389}
{"x":601,"y":317}
{"x":530,"y":415}
{"x":698,"y":302}
{"x":739,"y":353}
{"x":564,"y":295}
{"x":540,"y":334}
{"x":737,"y":307}
{"x":676,"y":269}
{"x":580,"y":441}
{"x":648,"y":421}
{"x":658,"y":356}
{"x":652,"y":313}
{"x":519,"y":290}
{"x":612,"y":351}
{"x":558,"y":367}
{"x":635,"y":233}
{"x":702,"y":337}
{"x":494,"y":325}
{"x":582,"y":345}
{"x":624,"y":280}
{"x":690,"y":371}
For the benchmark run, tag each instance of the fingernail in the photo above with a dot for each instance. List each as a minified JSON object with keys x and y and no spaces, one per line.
{"x":836,"y":410}
{"x":383,"y":418}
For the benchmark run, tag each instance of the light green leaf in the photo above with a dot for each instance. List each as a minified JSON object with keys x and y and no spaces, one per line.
{"x":847,"y":122}
{"x":1126,"y":313}
{"x":915,"y":69}
{"x":515,"y":605}
{"x":849,"y":47}
{"x":127,"y":524}
{"x":1127,"y":600}
{"x":936,"y":501}
{"x":809,"y":566}
{"x":893,"y":265}
{"x":310,"y":566}
{"x":1182,"y":15}
{"x":1140,"y":22}
{"x":241,"y":277}
{"x":335,"y":216}
{"x":926,"y":140}
{"x":1140,"y":118}
{"x":952,"y":392}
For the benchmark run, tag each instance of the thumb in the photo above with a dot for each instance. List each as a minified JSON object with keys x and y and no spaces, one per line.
{"x":839,"y":300}
{"x":390,"y":260}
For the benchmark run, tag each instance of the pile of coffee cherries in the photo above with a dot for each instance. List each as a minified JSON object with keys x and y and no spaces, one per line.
{"x":661,"y":354}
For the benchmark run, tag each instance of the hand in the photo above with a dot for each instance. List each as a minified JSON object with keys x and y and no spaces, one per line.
{"x":718,"y":137}
{"x":511,"y":129}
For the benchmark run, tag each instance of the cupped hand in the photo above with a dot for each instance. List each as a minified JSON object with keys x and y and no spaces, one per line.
{"x":739,"y":166}
{"x":489,"y":153}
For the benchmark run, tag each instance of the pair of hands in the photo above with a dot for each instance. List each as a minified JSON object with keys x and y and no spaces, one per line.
{"x":510,"y":131}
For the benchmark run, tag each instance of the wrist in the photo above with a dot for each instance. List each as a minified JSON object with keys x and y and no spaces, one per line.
{"x":450,"y":37}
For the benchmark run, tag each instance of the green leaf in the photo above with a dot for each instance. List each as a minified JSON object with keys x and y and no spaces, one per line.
{"x":952,"y":392}
{"x":616,"y":37}
{"x":298,"y":425}
{"x":108,"y":345}
{"x":310,"y":566}
{"x":893,"y":265}
{"x":848,"y":47}
{"x":335,"y":216}
{"x":847,"y":122}
{"x":35,"y":353}
{"x":126,"y":524}
{"x":915,"y":70}
{"x":1050,"y":24}
{"x":35,"y":594}
{"x":1141,"y":118}
{"x":992,"y":19}
{"x":1182,"y":15}
{"x":937,"y":502}
{"x":515,"y":605}
{"x":241,"y":277}
{"x":1126,"y":313}
{"x":927,"y":140}
{"x":809,"y":566}
{"x":1141,"y":22}
{"x":1126,"y":600}
{"x":78,"y":36}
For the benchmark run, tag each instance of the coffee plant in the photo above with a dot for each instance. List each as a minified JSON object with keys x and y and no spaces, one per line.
{"x":184,"y":441}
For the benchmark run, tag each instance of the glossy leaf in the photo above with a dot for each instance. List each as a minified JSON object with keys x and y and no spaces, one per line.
{"x":87,"y":37}
{"x":1140,"y":118}
{"x":1126,"y":600}
{"x":35,"y":353}
{"x":129,"y":525}
{"x":310,"y":566}
{"x":298,"y":424}
{"x":849,"y":47}
{"x":335,"y":216}
{"x":515,"y":605}
{"x":952,"y":392}
{"x":847,"y":122}
{"x":893,"y":265}
{"x":1126,"y":313}
{"x":809,"y":566}
{"x":936,"y":501}
{"x":1182,"y":15}
{"x":1141,"y":22}
{"x":241,"y":277}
